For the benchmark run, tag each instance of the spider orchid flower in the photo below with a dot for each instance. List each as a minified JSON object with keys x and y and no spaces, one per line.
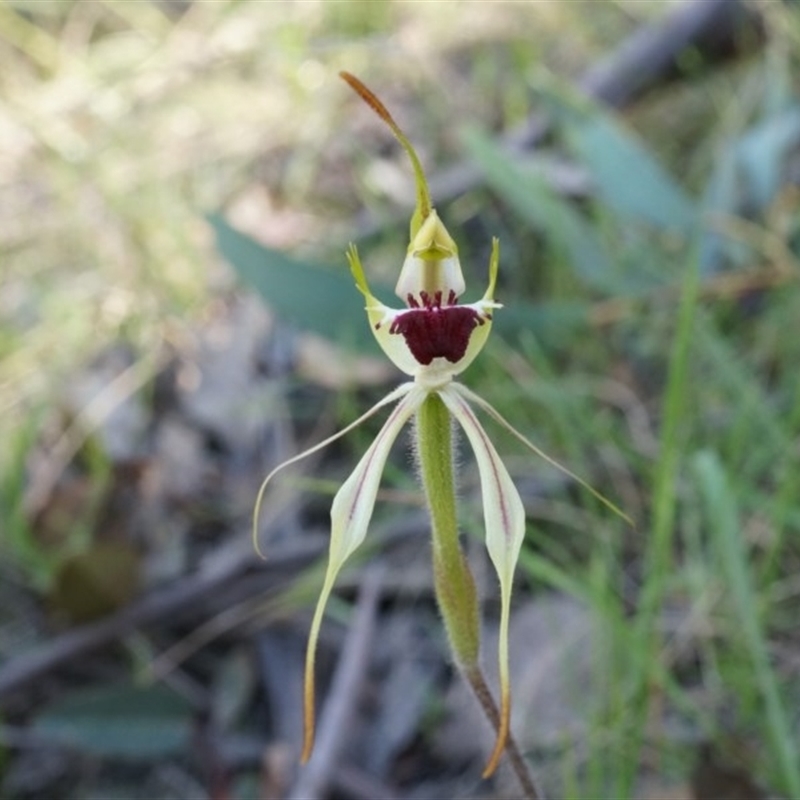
{"x":432,"y":340}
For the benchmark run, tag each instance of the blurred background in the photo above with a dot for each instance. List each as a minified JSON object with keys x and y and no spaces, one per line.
{"x":178,"y":183}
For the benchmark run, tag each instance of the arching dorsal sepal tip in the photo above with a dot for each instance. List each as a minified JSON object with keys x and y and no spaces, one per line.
{"x":424,"y":205}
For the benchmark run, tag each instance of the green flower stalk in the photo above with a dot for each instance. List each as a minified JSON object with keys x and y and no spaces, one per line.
{"x":432,"y":340}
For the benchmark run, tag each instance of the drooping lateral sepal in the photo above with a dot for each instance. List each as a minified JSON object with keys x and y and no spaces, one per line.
{"x":471,"y":397}
{"x":350,"y":516}
{"x":504,"y":518}
{"x":399,"y":392}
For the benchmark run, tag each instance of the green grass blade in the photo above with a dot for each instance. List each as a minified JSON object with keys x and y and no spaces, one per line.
{"x":723,"y":519}
{"x":658,"y":557}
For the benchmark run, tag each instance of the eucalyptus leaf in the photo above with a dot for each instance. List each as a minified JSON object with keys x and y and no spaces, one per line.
{"x":631,"y":181}
{"x":533,"y":199}
{"x":551,"y":323}
{"x":627,"y":177}
{"x":122,"y":721}
{"x":749,"y":172}
{"x":763,"y":153}
{"x":315,"y":298}
{"x":723,"y":197}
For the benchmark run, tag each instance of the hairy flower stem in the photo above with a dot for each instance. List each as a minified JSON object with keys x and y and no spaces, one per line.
{"x":454,"y":584}
{"x":455,"y":587}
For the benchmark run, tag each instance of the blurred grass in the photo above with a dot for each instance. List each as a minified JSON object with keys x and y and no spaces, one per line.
{"x":664,"y":366}
{"x":723,"y":512}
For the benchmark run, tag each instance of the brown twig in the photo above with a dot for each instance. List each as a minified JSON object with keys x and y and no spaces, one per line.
{"x":157,"y":605}
{"x":481,"y":691}
{"x":725,"y":285}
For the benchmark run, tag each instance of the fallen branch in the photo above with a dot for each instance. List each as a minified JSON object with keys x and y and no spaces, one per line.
{"x":160,"y":604}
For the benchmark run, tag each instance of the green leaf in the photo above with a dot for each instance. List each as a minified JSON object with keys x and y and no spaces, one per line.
{"x":122,"y":721}
{"x":627,"y":177}
{"x":722,"y":196}
{"x":550,"y":322}
{"x":748,"y":174}
{"x":315,"y":298}
{"x":335,"y":309}
{"x":764,"y":152}
{"x":533,"y":199}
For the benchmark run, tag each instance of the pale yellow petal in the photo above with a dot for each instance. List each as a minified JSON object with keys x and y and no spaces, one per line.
{"x":380,"y":319}
{"x":393,"y":344}
{"x":477,"y":339}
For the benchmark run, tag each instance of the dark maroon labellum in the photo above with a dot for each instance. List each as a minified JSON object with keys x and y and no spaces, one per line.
{"x":435,"y":331}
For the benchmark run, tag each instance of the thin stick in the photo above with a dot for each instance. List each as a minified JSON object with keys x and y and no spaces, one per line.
{"x":481,"y":691}
{"x":152,"y":608}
